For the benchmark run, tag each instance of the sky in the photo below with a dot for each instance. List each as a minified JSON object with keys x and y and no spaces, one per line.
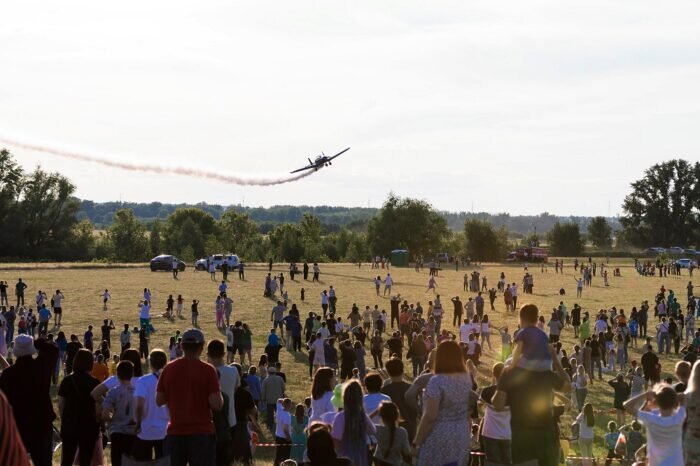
{"x":508,"y":106}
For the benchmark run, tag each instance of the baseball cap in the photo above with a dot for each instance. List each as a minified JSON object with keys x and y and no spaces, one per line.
{"x":193,"y":335}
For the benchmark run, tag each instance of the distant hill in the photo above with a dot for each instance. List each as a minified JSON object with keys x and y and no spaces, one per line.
{"x":356,"y":218}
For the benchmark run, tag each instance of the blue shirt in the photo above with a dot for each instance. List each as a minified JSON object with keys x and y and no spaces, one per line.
{"x":535,"y":344}
{"x":44,"y":315}
{"x":273,"y":340}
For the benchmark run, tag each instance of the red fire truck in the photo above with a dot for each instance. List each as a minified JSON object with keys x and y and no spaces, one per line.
{"x":528,"y":255}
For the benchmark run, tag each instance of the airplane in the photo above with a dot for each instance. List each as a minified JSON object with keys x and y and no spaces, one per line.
{"x":321,"y":161}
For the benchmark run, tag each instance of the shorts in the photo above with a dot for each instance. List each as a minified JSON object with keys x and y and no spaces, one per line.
{"x":104,"y":300}
{"x":240,"y":349}
{"x":59,"y":311}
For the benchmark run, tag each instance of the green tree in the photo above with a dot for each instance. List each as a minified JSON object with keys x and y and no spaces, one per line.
{"x":600,"y":232}
{"x":565,"y":239}
{"x":189,"y":227}
{"x":286,"y":243}
{"x":409,"y":224}
{"x":127,"y":237}
{"x":311,"y":230}
{"x":662,"y":209}
{"x":11,"y":181}
{"x":238,"y":233}
{"x":482,"y":242}
{"x":154,"y":239}
{"x":82,"y":244}
{"x":48,"y":213}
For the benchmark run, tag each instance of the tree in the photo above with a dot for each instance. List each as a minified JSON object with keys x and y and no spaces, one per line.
{"x":11,"y":180}
{"x":408,"y":224}
{"x":600,"y":232}
{"x":189,"y":227}
{"x":127,"y":237}
{"x":482,"y":242}
{"x":663,"y":207}
{"x":238,"y":233}
{"x":286,"y":243}
{"x":154,"y":240}
{"x":565,"y":239}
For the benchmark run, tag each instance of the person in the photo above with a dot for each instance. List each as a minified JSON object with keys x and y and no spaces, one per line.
{"x":691,"y":439}
{"x":352,"y":427}
{"x":299,"y":422}
{"x":388,"y":283}
{"x":27,"y":385}
{"x":417,"y":353}
{"x":392,"y":439}
{"x":190,"y":389}
{"x":272,"y":390}
{"x":374,"y":397}
{"x":229,"y":380}
{"x":376,"y":349}
{"x":79,"y":419}
{"x":20,"y":286}
{"x":650,"y":365}
{"x":320,"y":447}
{"x":246,"y":414}
{"x":445,"y":419}
{"x":531,"y":344}
{"x":495,"y":432}
{"x":395,"y":387}
{"x":530,"y":396}
{"x":659,"y":411}
{"x":151,"y":419}
{"x":118,"y":409}
{"x":195,"y":312}
{"x":622,"y":392}
{"x":12,"y":450}
{"x":322,"y":393}
{"x":580,"y":381}
{"x":586,"y":425}
{"x":283,"y":430}
{"x":611,"y":438}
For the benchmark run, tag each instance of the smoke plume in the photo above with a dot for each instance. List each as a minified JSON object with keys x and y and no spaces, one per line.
{"x":147,"y":168}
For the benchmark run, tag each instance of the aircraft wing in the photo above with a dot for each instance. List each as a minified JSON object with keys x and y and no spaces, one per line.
{"x":302,"y":169}
{"x":338,"y":154}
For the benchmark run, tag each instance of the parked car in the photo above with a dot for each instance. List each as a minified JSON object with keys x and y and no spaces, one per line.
{"x":655,"y":251}
{"x":685,"y":263}
{"x":675,"y":250}
{"x":165,"y":262}
{"x":692,"y":252}
{"x":218,"y":259}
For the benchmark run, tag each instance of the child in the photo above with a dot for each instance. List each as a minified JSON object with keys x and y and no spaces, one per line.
{"x":180,"y":303}
{"x":119,"y":407}
{"x":659,"y":411}
{"x":105,"y":297}
{"x":532,"y":351}
{"x":506,"y":343}
{"x":635,"y":438}
{"x":303,"y":292}
{"x":195,"y":312}
{"x":620,"y":348}
{"x":392,"y":440}
{"x":299,"y":422}
{"x":611,"y":361}
{"x":610,"y":441}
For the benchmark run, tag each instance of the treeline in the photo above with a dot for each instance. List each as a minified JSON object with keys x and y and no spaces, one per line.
{"x":332,"y":218}
{"x":40,"y":219}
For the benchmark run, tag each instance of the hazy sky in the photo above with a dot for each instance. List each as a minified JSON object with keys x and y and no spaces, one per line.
{"x":512,"y":106}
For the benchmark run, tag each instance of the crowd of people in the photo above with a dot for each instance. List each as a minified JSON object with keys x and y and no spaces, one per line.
{"x":419,"y":400}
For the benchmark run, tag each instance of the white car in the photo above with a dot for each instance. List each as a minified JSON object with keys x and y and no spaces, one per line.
{"x":675,"y":250}
{"x":218,"y":259}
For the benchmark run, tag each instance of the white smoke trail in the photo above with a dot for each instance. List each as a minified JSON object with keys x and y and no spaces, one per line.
{"x":183,"y":171}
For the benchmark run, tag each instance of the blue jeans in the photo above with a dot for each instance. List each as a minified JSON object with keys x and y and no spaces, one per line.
{"x":664,"y":342}
{"x":195,"y":450}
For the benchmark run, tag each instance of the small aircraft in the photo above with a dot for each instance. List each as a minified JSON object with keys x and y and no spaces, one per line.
{"x":321,"y":161}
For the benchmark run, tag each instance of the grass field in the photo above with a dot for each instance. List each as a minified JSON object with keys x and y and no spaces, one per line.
{"x":83,"y":305}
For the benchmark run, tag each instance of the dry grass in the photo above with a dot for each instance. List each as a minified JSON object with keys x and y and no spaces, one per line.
{"x":83,"y":305}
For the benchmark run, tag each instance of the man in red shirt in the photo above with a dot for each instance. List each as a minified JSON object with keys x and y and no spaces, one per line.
{"x":190,"y":389}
